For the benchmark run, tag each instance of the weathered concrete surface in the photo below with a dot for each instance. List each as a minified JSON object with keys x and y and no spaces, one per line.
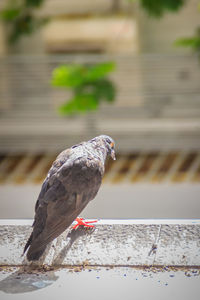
{"x":112,"y":242}
{"x":179,"y":245}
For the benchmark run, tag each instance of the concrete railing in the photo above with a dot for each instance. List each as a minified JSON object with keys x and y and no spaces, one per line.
{"x":111,"y":243}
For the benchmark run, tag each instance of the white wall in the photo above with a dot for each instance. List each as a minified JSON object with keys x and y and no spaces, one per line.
{"x":122,"y":201}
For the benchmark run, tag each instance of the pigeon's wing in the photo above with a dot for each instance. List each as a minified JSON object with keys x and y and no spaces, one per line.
{"x":65,"y":193}
{"x":61,"y":159}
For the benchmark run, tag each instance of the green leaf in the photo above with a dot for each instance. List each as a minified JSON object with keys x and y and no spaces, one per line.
{"x":68,"y":108}
{"x":193,"y":42}
{"x":33,"y":3}
{"x":88,"y":84}
{"x":98,"y":71}
{"x":19,"y":14}
{"x":79,"y":104}
{"x":23,"y":25}
{"x":9,"y":14}
{"x":68,"y":76}
{"x":157,"y":8}
{"x":86,"y":102}
{"x":75,"y":75}
{"x":105,"y":90}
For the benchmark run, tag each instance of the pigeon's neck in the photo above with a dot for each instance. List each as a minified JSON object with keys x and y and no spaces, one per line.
{"x":102,"y":154}
{"x":99,"y":152}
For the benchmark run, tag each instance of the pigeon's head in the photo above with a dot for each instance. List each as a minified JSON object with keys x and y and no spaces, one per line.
{"x":108,"y":143}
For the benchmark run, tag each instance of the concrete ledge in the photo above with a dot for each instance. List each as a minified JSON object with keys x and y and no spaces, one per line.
{"x":112,"y":243}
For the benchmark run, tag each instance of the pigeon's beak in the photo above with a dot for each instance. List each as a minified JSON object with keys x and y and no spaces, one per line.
{"x":112,"y":154}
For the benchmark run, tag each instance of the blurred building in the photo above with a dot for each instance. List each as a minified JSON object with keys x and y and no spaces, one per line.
{"x":157,"y":105}
{"x":95,"y":26}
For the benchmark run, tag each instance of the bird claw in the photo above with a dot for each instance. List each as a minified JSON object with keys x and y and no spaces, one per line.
{"x":81,"y":222}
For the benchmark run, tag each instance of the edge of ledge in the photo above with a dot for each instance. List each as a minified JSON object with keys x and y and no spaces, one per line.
{"x":27,"y":222}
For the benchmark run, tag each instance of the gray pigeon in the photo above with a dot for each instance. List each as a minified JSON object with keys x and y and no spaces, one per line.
{"x":73,"y":180}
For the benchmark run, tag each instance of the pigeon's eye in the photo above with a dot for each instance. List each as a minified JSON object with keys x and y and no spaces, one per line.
{"x":110,"y":143}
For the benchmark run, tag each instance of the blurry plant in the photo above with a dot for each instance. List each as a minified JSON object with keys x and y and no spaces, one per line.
{"x":88,"y":83}
{"x":19,"y":18}
{"x":190,"y":42}
{"x":156,"y":8}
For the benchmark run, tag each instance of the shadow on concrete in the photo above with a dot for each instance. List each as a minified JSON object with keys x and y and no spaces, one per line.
{"x":34,"y":276}
{"x":73,"y":235}
{"x":25,"y":280}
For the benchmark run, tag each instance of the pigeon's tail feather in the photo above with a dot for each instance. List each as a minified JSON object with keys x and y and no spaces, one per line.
{"x":28,"y":242}
{"x":35,"y":253}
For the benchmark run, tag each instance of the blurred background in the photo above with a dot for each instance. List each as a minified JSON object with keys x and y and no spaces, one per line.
{"x":72,"y":70}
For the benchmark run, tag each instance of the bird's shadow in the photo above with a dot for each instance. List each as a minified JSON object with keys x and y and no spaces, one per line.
{"x":34,"y":276}
{"x":72,"y":236}
{"x":27,"y":279}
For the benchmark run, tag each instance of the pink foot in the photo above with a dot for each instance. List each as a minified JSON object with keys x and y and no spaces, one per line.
{"x":81,"y":222}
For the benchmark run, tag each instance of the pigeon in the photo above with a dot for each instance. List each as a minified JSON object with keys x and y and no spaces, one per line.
{"x":71,"y":183}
